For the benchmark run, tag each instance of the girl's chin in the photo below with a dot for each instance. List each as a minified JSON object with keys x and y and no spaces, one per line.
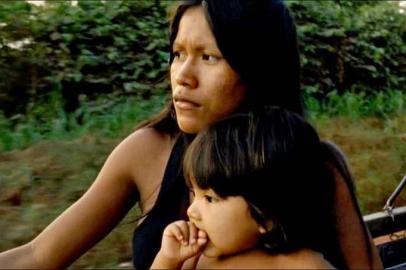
{"x":211,"y":252}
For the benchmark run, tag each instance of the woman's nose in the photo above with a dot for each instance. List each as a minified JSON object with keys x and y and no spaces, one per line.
{"x":193,"y":211}
{"x":186,"y":75}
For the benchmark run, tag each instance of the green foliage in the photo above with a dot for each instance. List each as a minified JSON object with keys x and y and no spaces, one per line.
{"x":110,"y":117}
{"x":90,"y":49}
{"x":357,"y":45}
{"x":96,"y":65}
{"x":99,"y":47}
{"x":356,"y":105}
{"x":116,"y":116}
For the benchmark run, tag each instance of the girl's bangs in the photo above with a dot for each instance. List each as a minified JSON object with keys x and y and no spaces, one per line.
{"x":215,"y":160}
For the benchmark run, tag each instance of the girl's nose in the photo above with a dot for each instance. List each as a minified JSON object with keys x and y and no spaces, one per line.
{"x":186,"y":75}
{"x":193,"y":211}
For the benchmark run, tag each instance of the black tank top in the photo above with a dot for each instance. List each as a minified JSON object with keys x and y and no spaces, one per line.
{"x":171,"y":205}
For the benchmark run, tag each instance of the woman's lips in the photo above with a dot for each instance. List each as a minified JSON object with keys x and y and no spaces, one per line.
{"x":186,"y":104}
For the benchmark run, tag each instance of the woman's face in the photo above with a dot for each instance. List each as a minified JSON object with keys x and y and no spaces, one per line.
{"x":205,"y":88}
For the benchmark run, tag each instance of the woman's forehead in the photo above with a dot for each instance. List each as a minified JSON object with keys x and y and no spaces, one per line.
{"x":194,"y":29}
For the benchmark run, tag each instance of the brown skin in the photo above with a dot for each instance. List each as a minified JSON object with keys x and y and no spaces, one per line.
{"x":221,"y":234}
{"x":257,"y":259}
{"x":350,"y":230}
{"x":137,"y":166}
{"x":205,"y":88}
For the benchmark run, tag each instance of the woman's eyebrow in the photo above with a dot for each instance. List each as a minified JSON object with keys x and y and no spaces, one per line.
{"x":197,"y":46}
{"x":177,"y":46}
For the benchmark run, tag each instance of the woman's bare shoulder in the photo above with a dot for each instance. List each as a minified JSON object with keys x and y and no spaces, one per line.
{"x":143,"y":144}
{"x":143,"y":156}
{"x":142,"y":150}
{"x":146,"y":138}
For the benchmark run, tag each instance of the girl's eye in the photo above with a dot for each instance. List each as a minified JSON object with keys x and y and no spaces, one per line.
{"x":192,"y":192}
{"x":209,"y":199}
{"x":210,"y":58}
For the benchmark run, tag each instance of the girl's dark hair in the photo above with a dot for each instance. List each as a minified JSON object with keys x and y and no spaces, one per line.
{"x":273,"y":159}
{"x":258,"y":39}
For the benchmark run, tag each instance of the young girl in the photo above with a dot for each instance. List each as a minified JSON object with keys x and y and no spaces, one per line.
{"x":262,"y":197}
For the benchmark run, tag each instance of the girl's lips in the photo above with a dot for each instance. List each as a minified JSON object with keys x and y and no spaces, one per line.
{"x":185,"y":104}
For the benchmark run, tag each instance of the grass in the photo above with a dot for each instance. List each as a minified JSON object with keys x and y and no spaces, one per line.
{"x":109,"y":117}
{"x":376,"y":151}
{"x":38,"y":183}
{"x":46,"y":165}
{"x":381,"y":104}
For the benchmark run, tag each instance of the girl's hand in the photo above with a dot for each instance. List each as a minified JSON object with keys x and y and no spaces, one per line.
{"x":181,"y":240}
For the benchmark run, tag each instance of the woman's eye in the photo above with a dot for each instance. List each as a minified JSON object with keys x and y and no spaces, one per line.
{"x":178,"y":55}
{"x":210,"y":58}
{"x":192,"y":193}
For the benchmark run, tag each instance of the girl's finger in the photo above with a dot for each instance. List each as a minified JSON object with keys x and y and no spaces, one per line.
{"x":174,"y":230}
{"x":201,"y":237}
{"x":201,"y":241}
{"x":202,"y":234}
{"x":192,"y":233}
{"x":184,"y":229}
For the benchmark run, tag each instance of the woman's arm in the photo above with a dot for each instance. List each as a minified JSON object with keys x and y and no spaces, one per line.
{"x":97,"y":212}
{"x":351,"y":228}
{"x":355,"y":242}
{"x":18,"y":258}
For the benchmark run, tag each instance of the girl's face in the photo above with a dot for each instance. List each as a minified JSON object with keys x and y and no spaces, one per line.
{"x":227,"y":222}
{"x":205,"y":88}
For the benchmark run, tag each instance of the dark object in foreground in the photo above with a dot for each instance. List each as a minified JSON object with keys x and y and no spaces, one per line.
{"x":390,"y":221}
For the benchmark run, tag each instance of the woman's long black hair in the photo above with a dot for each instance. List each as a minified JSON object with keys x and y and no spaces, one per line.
{"x":258,"y":39}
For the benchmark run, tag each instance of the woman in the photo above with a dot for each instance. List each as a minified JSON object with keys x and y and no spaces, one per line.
{"x":216,"y":50}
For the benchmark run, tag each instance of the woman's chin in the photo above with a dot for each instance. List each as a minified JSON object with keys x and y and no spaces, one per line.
{"x":189,"y":127}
